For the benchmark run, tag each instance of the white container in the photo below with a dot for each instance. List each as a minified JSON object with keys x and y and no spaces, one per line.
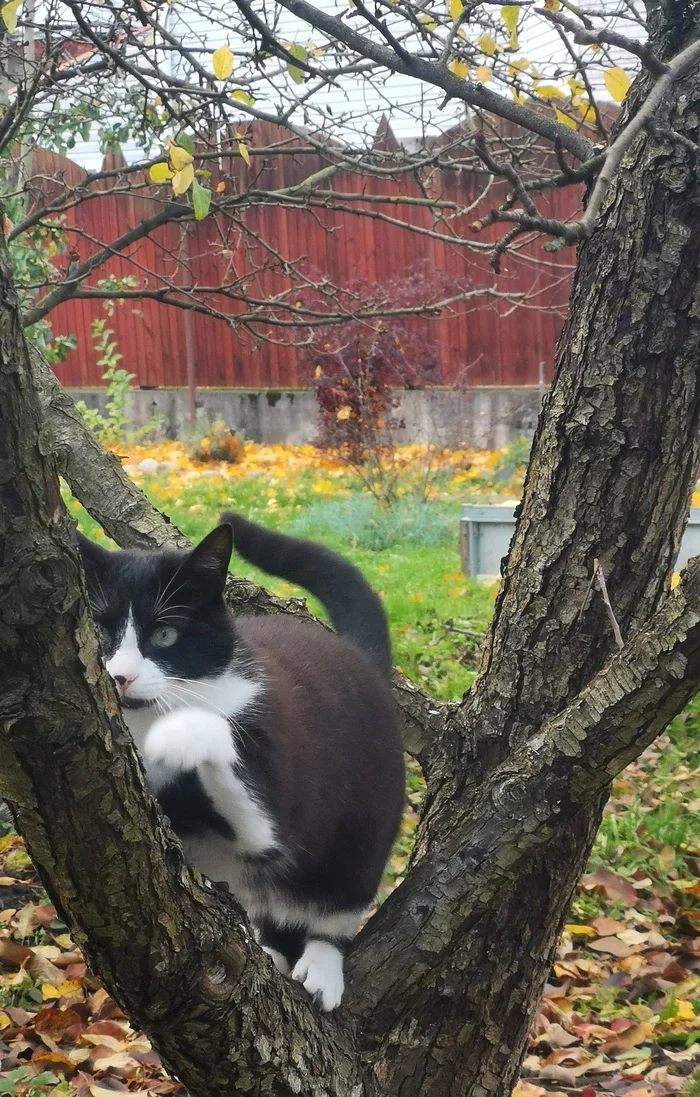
{"x":486,"y":532}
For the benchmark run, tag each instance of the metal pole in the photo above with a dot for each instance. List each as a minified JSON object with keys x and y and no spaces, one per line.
{"x":189,"y":339}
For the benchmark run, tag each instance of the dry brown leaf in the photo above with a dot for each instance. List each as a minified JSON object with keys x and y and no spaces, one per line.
{"x":102,"y":1040}
{"x":102,"y":1091}
{"x":614,"y":886}
{"x":628,"y":1038}
{"x":12,"y":953}
{"x":114,"y":1060}
{"x":692,"y":1052}
{"x":55,"y":1060}
{"x":559,"y":1074}
{"x":522,"y":1089}
{"x":54,"y":1022}
{"x":26,"y":921}
{"x":43,"y":971}
{"x":65,"y":959}
{"x":613,"y":945}
{"x":672,"y":1082}
{"x":557,"y":1036}
{"x":607,"y":927}
{"x":634,"y":939}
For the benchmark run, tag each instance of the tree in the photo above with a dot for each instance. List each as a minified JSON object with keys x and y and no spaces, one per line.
{"x":443,"y":980}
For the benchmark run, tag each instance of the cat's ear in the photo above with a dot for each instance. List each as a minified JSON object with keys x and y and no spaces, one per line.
{"x":208,"y":562}
{"x":95,"y":558}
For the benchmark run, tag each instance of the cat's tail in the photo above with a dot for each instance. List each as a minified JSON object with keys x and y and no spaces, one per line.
{"x":352,"y":605}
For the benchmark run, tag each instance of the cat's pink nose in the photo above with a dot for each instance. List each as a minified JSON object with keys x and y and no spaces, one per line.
{"x":124,"y":681}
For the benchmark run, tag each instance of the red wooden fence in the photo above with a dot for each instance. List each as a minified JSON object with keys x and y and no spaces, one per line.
{"x":492,"y":344}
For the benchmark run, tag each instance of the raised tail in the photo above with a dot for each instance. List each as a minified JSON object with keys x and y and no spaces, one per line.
{"x":354,"y":609}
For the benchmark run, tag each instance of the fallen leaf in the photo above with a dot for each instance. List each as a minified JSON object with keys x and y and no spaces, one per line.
{"x":44,"y":971}
{"x":612,"y":945}
{"x":12,"y":953}
{"x":522,"y":1089}
{"x":558,"y":1037}
{"x":54,"y":1022}
{"x":579,"y":931}
{"x":607,"y":927}
{"x":614,"y":886}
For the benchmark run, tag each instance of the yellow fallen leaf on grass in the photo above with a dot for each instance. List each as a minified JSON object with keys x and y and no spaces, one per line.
{"x":579,"y":931}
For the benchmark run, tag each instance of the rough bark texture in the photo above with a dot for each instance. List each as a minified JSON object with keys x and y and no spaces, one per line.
{"x":444,"y":979}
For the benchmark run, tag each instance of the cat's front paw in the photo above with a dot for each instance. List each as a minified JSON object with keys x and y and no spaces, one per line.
{"x":320,"y":971}
{"x":188,"y":738}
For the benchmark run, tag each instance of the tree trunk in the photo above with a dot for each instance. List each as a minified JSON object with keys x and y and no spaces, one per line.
{"x":613,"y":463}
{"x":444,"y":980}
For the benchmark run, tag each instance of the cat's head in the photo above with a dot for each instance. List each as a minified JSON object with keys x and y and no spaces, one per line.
{"x":162,"y":616}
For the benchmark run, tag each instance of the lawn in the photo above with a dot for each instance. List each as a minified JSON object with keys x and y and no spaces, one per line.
{"x":621,"y":1013}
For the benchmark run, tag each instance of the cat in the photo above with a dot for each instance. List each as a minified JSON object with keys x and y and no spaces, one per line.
{"x":271,"y":743}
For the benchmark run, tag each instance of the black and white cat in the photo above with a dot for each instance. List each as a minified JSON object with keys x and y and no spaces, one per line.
{"x":271,"y":743}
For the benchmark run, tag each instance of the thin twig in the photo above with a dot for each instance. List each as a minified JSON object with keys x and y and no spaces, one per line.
{"x":600,"y":584}
{"x":601,"y":36}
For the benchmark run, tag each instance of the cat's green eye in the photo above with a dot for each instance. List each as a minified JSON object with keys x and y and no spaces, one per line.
{"x":164,"y":637}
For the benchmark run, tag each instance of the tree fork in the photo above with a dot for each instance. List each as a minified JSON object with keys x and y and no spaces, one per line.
{"x":442,"y":988}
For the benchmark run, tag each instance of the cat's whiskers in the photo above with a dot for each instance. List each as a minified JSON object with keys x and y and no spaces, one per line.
{"x":160,"y":600}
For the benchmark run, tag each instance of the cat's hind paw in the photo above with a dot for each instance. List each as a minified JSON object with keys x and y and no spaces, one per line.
{"x":188,"y":738}
{"x":320,"y":971}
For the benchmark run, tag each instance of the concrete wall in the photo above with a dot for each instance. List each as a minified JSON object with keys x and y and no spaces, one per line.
{"x":480,"y":417}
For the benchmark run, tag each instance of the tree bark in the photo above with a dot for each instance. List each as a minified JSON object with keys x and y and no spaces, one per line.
{"x":444,"y":980}
{"x":613,"y":463}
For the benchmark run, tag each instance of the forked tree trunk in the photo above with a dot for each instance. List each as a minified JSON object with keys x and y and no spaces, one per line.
{"x":444,"y":980}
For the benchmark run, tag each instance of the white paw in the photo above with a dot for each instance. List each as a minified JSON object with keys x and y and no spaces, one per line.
{"x":188,"y":738}
{"x":320,"y":971}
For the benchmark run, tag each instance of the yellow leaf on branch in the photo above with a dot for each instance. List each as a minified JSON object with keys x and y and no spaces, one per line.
{"x":459,"y":68}
{"x":509,"y":15}
{"x":182,"y":180}
{"x":487,"y":44}
{"x":222,"y":62}
{"x":9,"y":14}
{"x":343,"y":413}
{"x":456,"y":8}
{"x":617,"y":82}
{"x":549,"y":91}
{"x":159,"y":173}
{"x":179,"y":157}
{"x":483,"y":74}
